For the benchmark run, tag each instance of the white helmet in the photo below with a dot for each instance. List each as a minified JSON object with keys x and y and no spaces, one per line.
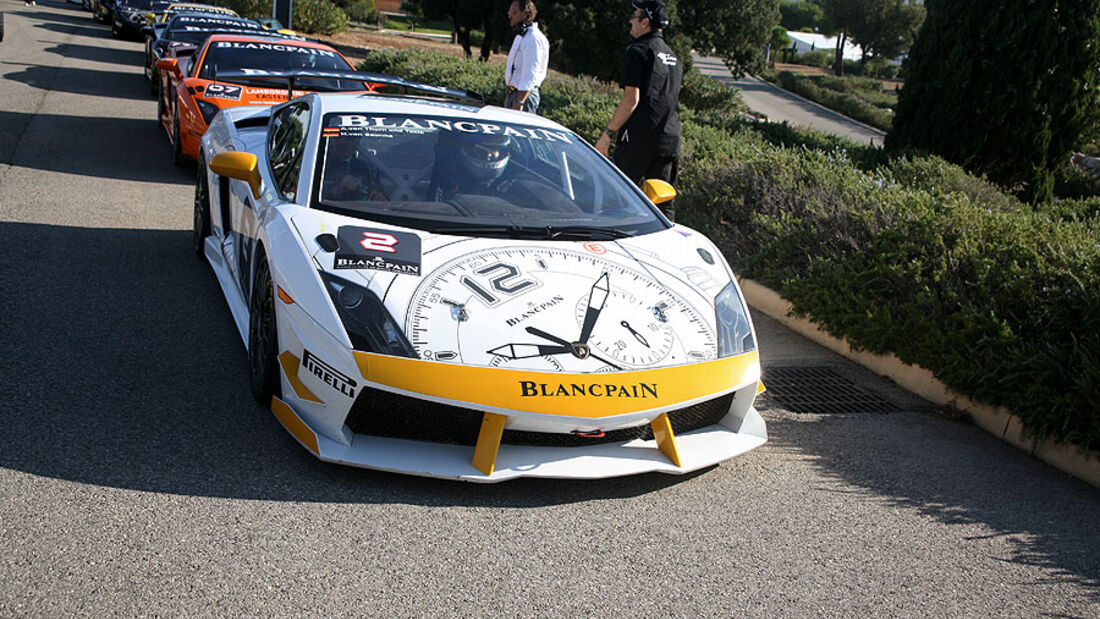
{"x":485,"y":156}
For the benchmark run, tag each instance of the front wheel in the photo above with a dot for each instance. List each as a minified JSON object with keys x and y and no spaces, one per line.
{"x":263,"y":336}
{"x":201,"y":228}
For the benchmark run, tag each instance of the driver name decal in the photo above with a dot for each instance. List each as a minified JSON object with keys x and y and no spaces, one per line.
{"x":378,"y":250}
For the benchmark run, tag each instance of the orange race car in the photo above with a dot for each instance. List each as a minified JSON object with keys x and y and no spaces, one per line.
{"x":191,"y":94}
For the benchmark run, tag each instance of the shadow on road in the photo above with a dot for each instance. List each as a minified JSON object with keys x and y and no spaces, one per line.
{"x":83,"y":81}
{"x":114,"y":148}
{"x":946,"y":471}
{"x":132,"y":375}
{"x":98,"y":53}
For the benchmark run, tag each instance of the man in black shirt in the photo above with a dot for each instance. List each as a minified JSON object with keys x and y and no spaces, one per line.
{"x":646,"y":124}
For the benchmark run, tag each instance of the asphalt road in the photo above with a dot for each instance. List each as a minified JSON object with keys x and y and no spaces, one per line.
{"x":137,"y":476}
{"x":778,"y":105}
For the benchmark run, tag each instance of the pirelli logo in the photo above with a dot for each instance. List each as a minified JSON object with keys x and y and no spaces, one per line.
{"x":329,"y":375}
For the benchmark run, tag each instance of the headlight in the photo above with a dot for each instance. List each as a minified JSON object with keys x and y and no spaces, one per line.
{"x":734,"y":332}
{"x":209,"y":111}
{"x":370,"y":327}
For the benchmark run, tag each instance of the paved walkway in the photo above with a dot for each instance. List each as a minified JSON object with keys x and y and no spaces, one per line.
{"x":778,"y":105}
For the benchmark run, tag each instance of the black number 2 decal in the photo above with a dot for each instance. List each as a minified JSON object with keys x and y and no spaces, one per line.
{"x":505,"y":282}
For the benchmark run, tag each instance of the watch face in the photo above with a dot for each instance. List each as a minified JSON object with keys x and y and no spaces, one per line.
{"x":554,"y":309}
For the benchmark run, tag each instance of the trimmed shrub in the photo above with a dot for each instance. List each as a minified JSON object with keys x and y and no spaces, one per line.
{"x":849,"y":96}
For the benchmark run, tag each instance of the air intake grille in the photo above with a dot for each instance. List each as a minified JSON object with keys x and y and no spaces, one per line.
{"x":381,"y":413}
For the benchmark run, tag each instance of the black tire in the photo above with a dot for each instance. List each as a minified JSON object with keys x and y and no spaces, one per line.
{"x":154,"y":85}
{"x":178,"y":157}
{"x":201,"y":220}
{"x":263,"y":336}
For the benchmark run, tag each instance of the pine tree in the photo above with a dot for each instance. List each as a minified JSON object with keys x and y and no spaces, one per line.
{"x":1005,"y":88}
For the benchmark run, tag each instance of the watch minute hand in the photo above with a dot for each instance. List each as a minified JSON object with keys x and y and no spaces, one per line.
{"x":527,"y":351}
{"x":597,"y":297}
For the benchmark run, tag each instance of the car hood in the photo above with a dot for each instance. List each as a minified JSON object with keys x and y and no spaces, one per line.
{"x":595,"y":306}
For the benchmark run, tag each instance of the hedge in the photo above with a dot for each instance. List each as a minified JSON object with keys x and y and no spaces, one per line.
{"x":856,"y":97}
{"x":909,"y":255}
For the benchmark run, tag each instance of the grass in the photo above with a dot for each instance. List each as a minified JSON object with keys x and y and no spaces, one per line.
{"x":402,"y":22}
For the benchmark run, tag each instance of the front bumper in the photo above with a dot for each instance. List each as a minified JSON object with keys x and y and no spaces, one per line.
{"x":506,"y":440}
{"x":698,"y":449}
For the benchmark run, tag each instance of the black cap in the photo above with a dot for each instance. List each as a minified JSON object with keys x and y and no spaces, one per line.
{"x":655,"y":10}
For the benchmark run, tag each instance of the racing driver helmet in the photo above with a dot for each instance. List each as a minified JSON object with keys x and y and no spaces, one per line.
{"x":485,"y":156}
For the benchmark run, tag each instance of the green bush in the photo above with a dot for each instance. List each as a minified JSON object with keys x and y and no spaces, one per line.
{"x":903,"y":254}
{"x":702,"y":93}
{"x":361,"y":11}
{"x":318,"y":17}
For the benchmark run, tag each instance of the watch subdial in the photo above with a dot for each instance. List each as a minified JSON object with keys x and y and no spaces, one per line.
{"x":627,"y":331}
{"x":534,"y":364}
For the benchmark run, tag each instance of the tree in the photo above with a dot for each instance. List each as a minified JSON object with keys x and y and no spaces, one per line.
{"x":735,"y":30}
{"x":415,"y":10}
{"x":1005,"y":88}
{"x":777,"y":42}
{"x":469,"y":15}
{"x":806,"y":14}
{"x":878,"y":27}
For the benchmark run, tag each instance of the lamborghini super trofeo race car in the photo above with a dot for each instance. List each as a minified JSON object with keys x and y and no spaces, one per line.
{"x":182,"y":34}
{"x":439,"y":288}
{"x":195,"y":87}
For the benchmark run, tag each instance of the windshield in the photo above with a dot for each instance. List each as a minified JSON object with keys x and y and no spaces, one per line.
{"x":275,"y":56}
{"x":475,"y":178}
{"x":137,"y":4}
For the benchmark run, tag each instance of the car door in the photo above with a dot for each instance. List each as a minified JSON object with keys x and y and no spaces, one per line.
{"x":286,"y":143}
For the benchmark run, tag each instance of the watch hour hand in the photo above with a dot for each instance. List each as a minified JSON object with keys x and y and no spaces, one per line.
{"x":597,"y":297}
{"x":527,"y":351}
{"x":546,"y":336}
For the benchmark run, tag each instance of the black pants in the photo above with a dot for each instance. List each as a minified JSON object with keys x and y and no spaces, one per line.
{"x":640,"y":163}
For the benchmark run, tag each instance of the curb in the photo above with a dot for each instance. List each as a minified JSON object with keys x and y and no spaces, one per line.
{"x":998,"y":421}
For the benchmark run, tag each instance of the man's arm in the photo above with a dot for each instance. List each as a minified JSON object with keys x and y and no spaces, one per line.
{"x":631,"y":96}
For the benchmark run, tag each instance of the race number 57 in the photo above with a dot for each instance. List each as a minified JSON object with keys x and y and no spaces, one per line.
{"x":377,"y":241}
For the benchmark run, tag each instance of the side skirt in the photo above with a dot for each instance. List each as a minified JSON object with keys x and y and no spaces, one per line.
{"x":237,"y":305}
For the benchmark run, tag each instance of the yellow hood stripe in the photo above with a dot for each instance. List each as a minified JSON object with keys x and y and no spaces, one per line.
{"x":557,"y":393}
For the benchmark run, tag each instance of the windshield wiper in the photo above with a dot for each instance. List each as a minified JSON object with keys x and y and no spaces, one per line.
{"x":512,"y":232}
{"x":583,"y":233}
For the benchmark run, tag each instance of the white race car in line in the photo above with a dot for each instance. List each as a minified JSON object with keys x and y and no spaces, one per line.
{"x":435,"y":287}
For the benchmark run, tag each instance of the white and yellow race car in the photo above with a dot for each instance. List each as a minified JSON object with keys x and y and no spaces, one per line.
{"x":432,"y":286}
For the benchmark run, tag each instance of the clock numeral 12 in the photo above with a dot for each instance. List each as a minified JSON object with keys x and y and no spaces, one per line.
{"x":500,"y":283}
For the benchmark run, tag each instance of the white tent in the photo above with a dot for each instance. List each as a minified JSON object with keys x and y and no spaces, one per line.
{"x":809,"y":41}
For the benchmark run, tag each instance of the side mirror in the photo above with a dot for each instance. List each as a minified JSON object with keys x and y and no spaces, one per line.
{"x":241,"y":166}
{"x":167,"y":64}
{"x":658,"y":191}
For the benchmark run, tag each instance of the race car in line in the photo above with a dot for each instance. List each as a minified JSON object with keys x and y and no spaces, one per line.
{"x":128,"y":17}
{"x":430,"y":286}
{"x":193,"y":88}
{"x":183,"y":34}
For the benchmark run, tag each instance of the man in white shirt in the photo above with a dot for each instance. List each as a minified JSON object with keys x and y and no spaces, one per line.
{"x":527,"y":59}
